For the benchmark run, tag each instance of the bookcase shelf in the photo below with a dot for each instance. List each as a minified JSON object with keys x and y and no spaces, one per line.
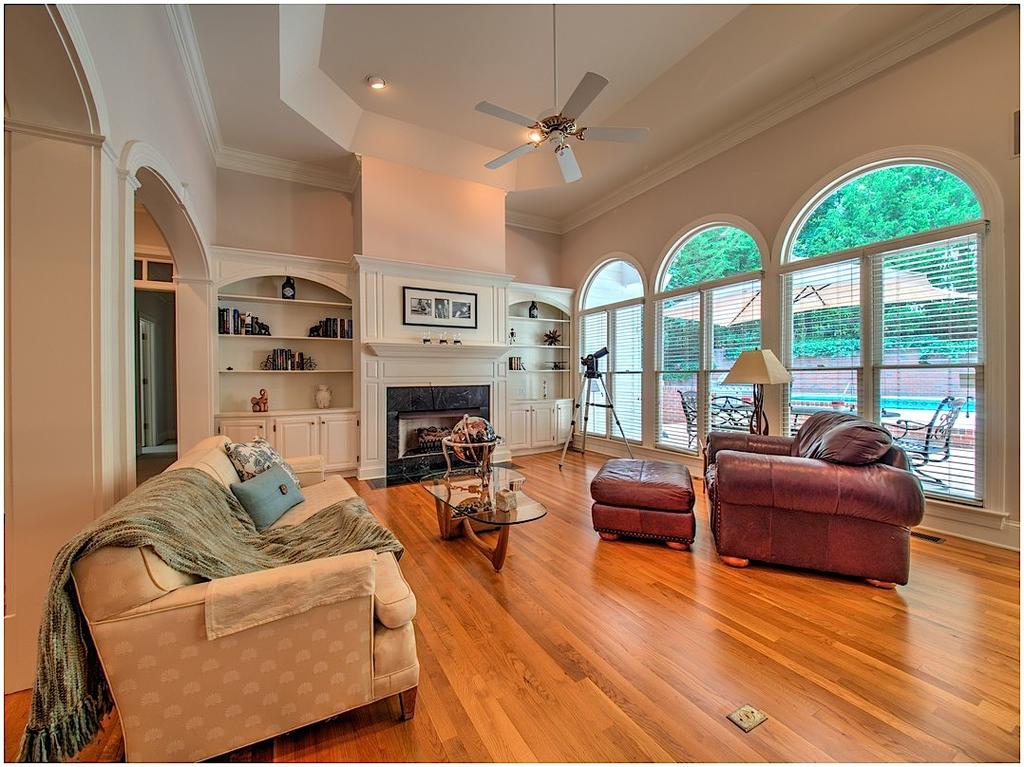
{"x":249,"y":298}
{"x":239,"y":336}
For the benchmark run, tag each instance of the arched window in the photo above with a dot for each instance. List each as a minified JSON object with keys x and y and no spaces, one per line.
{"x":709,"y":312}
{"x":612,"y":315}
{"x":894,"y":249}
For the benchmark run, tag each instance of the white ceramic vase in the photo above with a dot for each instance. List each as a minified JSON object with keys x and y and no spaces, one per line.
{"x":323,"y":396}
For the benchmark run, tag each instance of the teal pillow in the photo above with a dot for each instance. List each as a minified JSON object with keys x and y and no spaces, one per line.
{"x":268,"y":496}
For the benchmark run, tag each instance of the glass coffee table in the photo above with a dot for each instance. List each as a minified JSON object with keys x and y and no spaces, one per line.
{"x":465,"y":506}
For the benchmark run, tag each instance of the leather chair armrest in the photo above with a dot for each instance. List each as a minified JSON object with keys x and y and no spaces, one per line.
{"x":393,"y":601}
{"x":746,"y":443}
{"x":875,"y":492}
{"x":309,"y":469}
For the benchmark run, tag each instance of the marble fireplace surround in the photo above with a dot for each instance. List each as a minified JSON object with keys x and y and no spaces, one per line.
{"x":442,"y":403}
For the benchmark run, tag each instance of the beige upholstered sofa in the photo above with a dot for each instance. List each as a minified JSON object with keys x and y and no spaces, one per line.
{"x":183,"y":697}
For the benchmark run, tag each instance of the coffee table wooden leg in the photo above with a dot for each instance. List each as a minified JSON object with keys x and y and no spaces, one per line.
{"x":495,"y":553}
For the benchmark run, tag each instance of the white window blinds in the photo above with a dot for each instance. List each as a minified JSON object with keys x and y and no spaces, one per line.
{"x":928,"y":359}
{"x":593,"y":336}
{"x":678,"y":365}
{"x":734,"y":312}
{"x":627,"y":353}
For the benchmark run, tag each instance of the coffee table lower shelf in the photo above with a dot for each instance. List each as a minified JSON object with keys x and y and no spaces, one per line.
{"x":457,"y":527}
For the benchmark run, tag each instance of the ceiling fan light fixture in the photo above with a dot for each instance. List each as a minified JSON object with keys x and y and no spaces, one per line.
{"x":536,"y":136}
{"x":376,"y":83}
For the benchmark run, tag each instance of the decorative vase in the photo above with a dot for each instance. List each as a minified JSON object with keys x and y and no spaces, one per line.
{"x":288,"y":288}
{"x":323,"y":396}
{"x":533,"y":311}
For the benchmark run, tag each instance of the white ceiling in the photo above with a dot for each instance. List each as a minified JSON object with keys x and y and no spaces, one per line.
{"x":691,"y":73}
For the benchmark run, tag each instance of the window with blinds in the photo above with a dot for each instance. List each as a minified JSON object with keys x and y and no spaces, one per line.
{"x":734,"y":312}
{"x":928,"y":359}
{"x":593,"y":336}
{"x":678,"y":365}
{"x":627,"y":354}
{"x":824,"y":340}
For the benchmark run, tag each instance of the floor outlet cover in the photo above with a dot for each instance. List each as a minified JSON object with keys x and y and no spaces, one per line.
{"x":746,"y":718}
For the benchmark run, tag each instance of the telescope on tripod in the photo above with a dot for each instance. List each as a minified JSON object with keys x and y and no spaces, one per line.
{"x":590,"y":379}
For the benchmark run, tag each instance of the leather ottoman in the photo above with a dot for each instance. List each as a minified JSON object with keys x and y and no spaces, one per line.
{"x":644,"y":499}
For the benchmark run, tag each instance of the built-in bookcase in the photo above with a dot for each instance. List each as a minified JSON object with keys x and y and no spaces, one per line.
{"x":538,"y":359}
{"x":240,"y":376}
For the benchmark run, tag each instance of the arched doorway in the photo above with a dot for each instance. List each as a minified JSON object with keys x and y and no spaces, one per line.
{"x":53,"y":137}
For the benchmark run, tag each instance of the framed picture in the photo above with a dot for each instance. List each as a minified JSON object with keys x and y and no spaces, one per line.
{"x":438,"y":308}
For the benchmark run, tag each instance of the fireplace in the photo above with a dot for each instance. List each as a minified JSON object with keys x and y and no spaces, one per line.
{"x":418,"y":417}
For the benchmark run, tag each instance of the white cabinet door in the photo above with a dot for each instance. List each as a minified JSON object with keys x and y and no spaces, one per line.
{"x":242,"y":429}
{"x":518,"y":426}
{"x":339,"y":441}
{"x":563,"y":418}
{"x":296,"y":436}
{"x":542,"y":424}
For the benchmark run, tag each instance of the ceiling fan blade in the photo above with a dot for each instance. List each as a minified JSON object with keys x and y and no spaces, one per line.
{"x":567,"y":164}
{"x":590,"y":86}
{"x":508,"y":157}
{"x":627,"y":135}
{"x":505,"y":114}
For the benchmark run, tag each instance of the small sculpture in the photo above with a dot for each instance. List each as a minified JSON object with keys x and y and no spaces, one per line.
{"x":322,"y":396}
{"x":552,"y":338}
{"x":533,"y":311}
{"x":260,"y":404}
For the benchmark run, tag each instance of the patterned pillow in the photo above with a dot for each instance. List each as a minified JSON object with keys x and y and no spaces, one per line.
{"x":252,"y":458}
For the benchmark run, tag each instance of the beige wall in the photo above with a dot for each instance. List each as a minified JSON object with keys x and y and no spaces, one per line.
{"x":413,"y":215}
{"x":959,"y":96}
{"x":147,"y":234}
{"x":533,"y":257}
{"x":263,"y":213}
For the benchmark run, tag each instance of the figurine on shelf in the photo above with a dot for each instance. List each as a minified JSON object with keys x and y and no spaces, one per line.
{"x":512,"y":335}
{"x":427,"y":338}
{"x":322,"y":396}
{"x":552,"y":338}
{"x":316,"y":331}
{"x":443,"y":339}
{"x":260,"y":404}
{"x":308,"y":363}
{"x":260,"y":328}
{"x":457,"y":339}
{"x":288,"y":288}
{"x":533,"y":311}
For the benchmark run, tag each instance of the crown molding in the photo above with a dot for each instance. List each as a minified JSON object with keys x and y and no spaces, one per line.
{"x":532,"y":221}
{"x":54,"y":133}
{"x":945,"y":23}
{"x":195,"y":74}
{"x":287,"y":170}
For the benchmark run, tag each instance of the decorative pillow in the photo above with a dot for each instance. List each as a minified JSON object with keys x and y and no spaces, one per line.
{"x":252,"y":458}
{"x":854,"y":443}
{"x":268,"y":495}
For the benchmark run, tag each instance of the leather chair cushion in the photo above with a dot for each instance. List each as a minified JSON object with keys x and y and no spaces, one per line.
{"x":658,"y":485}
{"x":841,"y":438}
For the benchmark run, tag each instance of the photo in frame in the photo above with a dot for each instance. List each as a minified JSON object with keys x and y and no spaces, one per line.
{"x":439,"y":308}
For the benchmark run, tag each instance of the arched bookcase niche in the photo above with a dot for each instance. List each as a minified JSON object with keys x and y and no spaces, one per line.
{"x":240,"y":355}
{"x":538,"y":374}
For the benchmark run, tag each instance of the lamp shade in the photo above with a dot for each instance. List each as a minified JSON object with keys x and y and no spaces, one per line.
{"x":758,"y":366}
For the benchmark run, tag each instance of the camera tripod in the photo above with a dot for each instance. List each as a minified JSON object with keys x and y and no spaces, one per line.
{"x":587,"y":388}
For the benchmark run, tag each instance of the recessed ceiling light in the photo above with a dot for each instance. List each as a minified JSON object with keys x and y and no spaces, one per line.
{"x":377,"y":83}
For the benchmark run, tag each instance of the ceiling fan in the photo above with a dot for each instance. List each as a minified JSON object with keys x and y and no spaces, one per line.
{"x":557,"y":129}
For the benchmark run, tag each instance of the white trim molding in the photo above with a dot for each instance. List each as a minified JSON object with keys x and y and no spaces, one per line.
{"x":532,"y":221}
{"x":54,"y":133}
{"x":257,"y":164}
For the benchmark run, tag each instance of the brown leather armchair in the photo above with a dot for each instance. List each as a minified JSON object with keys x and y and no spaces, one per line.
{"x":838,"y":497}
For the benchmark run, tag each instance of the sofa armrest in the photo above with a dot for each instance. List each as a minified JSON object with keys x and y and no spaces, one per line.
{"x":393,"y":601}
{"x":309,"y":469}
{"x":745,"y":443}
{"x":875,"y":492}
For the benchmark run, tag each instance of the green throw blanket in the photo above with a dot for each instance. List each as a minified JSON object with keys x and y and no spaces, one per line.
{"x":196,"y":526}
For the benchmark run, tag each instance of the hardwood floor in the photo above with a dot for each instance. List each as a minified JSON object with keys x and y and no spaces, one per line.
{"x":585,"y":650}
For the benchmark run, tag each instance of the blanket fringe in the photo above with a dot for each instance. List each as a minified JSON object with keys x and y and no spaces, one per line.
{"x":62,"y":740}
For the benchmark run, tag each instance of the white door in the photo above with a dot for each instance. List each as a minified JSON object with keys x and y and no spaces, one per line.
{"x":296,"y":436}
{"x":563,"y":418}
{"x":147,"y":383}
{"x":242,"y":429}
{"x":339,"y":441}
{"x":518,"y":426}
{"x":542,"y":424}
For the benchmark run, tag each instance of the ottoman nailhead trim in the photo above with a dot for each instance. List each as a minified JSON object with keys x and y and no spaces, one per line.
{"x":643,"y":535}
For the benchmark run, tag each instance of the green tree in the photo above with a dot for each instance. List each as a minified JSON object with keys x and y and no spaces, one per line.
{"x":712,"y":254}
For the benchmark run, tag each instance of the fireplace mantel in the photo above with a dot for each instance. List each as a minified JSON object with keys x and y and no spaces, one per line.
{"x":434,"y":350}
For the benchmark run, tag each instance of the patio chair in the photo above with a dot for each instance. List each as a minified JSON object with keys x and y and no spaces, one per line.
{"x":933,"y":446}
{"x":730,"y":413}
{"x":689,"y":399}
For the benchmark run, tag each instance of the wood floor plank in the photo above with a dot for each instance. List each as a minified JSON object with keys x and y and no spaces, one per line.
{"x":584,"y":650}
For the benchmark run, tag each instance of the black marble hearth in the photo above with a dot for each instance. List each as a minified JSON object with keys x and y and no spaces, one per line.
{"x":407,"y":401}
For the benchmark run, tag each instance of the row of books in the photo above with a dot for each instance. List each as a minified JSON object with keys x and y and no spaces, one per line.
{"x":231,"y":322}
{"x":286,"y":359}
{"x":332,"y":327}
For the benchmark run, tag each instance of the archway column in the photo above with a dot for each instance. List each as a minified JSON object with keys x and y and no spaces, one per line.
{"x":194,"y":319}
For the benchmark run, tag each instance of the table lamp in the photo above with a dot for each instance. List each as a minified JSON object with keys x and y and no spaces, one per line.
{"x":758,"y":367}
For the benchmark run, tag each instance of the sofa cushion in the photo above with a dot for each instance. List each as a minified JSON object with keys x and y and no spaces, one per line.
{"x":267,"y":496}
{"x":208,"y":455}
{"x":318,"y":497}
{"x":657,"y":485}
{"x":841,"y":438}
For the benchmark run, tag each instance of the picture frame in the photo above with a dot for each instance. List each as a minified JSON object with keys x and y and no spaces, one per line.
{"x":435,"y":308}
